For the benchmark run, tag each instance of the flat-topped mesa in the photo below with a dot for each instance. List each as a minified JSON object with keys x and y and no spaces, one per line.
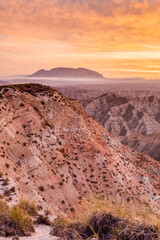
{"x":68,"y":73}
{"x":58,"y":156}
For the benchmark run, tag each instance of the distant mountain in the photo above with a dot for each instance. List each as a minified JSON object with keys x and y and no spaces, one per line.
{"x":68,"y":73}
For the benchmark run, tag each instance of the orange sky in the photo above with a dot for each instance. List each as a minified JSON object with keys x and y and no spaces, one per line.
{"x":118,"y":38}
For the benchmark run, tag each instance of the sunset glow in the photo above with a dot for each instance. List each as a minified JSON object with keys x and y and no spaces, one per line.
{"x":118,"y":38}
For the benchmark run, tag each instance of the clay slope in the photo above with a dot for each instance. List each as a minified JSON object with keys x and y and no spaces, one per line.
{"x":54,"y":153}
{"x":136,"y":121}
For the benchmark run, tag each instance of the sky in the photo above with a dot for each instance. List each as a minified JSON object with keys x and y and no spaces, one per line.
{"x":118,"y":38}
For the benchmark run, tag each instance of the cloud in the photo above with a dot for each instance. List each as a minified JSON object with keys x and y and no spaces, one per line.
{"x":87,"y":24}
{"x":80,"y":27}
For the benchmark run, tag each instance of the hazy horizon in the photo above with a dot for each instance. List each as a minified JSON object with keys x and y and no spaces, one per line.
{"x":28,"y":76}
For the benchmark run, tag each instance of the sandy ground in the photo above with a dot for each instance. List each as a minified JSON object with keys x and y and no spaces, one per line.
{"x":41,"y":233}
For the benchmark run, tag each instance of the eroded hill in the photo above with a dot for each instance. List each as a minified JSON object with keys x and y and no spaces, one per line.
{"x":55,"y":154}
{"x":136,"y":121}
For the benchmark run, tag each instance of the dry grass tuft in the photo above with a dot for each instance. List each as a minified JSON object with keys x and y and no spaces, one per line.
{"x":23,"y":219}
{"x":14,"y":221}
{"x":29,"y":207}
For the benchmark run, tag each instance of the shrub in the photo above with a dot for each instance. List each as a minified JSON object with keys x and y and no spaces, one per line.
{"x":4,"y":210}
{"x":124,"y":221}
{"x":62,"y":221}
{"x":15,"y":238}
{"x":105,"y":226}
{"x":8,"y":227}
{"x":28,"y":207}
{"x":1,"y":174}
{"x":7,"y":165}
{"x":21,"y":105}
{"x":7,"y":193}
{"x":12,"y":189}
{"x":5,"y":182}
{"x":23,"y":219}
{"x":72,"y":209}
{"x":41,"y":188}
{"x":43,"y":220}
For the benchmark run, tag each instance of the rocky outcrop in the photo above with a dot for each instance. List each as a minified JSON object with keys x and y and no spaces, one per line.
{"x":58,"y":156}
{"x":68,"y":73}
{"x":136,"y":121}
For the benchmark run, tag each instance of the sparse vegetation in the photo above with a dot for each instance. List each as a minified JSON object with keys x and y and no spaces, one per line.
{"x":14,"y":221}
{"x":106,"y":226}
{"x":4,"y":210}
{"x":41,"y":188}
{"x":31,"y":88}
{"x":29,"y":207}
{"x":43,"y":220}
{"x":5,"y":181}
{"x":107,"y":220}
{"x":23,"y":219}
{"x":7,"y":165}
{"x":7,"y":193}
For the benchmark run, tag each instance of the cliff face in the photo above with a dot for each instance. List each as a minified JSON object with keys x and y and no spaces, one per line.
{"x":55,"y":154}
{"x":136,"y":121}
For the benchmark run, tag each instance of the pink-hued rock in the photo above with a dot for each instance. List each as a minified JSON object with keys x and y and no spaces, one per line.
{"x":58,"y":156}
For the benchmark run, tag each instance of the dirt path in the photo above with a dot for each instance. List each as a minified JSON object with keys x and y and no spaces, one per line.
{"x":41,"y":233}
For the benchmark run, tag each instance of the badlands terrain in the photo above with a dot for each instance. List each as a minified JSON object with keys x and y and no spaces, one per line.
{"x":136,"y":121}
{"x":129,"y":109}
{"x":54,"y":153}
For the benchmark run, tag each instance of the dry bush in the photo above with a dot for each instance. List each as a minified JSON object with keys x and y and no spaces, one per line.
{"x":8,"y":227}
{"x":135,"y":211}
{"x":14,"y":221}
{"x":1,"y":174}
{"x":29,"y":207}
{"x":23,"y":219}
{"x":106,"y":226}
{"x":104,"y":219}
{"x":4,"y":210}
{"x":43,"y":220}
